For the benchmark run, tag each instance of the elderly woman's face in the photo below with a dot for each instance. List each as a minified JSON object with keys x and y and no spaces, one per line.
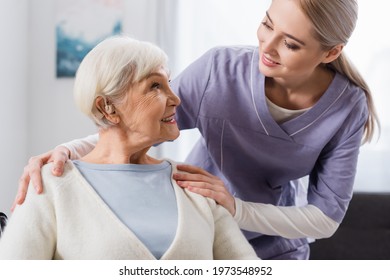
{"x":148,"y":113}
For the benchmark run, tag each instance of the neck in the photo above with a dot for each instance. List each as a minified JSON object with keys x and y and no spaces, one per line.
{"x":299,"y":93}
{"x":115,"y":147}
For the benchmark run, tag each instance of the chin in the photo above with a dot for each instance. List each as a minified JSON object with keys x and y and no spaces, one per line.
{"x":171,"y":137}
{"x":175,"y":134}
{"x":263,"y":69}
{"x":175,"y":137}
{"x":267,"y":72}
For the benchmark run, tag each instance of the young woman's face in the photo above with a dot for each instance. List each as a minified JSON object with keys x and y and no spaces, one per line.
{"x":287,"y":47}
{"x":148,"y":112}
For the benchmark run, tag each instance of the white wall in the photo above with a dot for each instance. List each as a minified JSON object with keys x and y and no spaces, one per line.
{"x":54,"y":118}
{"x":14,"y":107}
{"x":38,"y":110}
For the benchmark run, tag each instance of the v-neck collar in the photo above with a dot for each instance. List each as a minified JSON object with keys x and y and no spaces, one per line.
{"x":288,"y":129}
{"x":132,"y":236}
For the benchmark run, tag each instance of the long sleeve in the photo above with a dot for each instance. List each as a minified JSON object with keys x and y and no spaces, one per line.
{"x":289,"y":222}
{"x":31,"y":231}
{"x":80,"y":147}
{"x":229,"y":242}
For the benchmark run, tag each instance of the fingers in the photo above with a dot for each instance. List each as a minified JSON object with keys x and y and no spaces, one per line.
{"x":58,"y":168}
{"x":19,"y":199}
{"x":207,"y":192}
{"x":211,"y":187}
{"x":22,"y":190}
{"x":197,"y":177}
{"x":207,"y":187}
{"x":218,"y":193}
{"x":24,"y":181}
{"x":194,"y":173}
{"x":32,"y":172}
{"x":193,"y":169}
{"x":59,"y":157}
{"x":186,"y":177}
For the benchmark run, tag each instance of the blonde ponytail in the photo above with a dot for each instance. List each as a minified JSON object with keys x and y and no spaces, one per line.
{"x":334,"y":22}
{"x":346,"y":68}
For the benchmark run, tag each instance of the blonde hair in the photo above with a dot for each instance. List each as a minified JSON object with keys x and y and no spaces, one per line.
{"x":334,"y":22}
{"x":109,"y":70}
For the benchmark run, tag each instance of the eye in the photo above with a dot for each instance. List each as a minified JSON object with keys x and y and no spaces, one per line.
{"x":292,"y":47}
{"x":155,"y":85}
{"x":266,"y":25}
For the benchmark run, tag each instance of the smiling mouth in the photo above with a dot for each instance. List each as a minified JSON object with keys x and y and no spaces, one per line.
{"x":266,"y":60}
{"x":168,"y":119}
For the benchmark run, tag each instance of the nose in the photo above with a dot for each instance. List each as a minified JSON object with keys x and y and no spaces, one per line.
{"x":268,"y":42}
{"x":173,"y":99}
{"x":269,"y":45}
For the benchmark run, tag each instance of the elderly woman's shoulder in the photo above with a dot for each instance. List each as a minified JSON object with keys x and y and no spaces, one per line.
{"x":48,"y":178}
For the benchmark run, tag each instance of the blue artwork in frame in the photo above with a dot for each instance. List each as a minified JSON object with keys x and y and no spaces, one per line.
{"x":81,"y":24}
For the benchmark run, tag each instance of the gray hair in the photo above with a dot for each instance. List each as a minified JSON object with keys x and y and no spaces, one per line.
{"x":110,"y":69}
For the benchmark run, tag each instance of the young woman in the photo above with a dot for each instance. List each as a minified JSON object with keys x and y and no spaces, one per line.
{"x":292,"y":107}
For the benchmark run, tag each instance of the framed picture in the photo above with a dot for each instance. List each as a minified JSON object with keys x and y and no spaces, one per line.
{"x":80,"y":25}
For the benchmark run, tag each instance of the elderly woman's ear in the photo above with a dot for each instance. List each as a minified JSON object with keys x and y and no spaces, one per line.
{"x":107,"y":109}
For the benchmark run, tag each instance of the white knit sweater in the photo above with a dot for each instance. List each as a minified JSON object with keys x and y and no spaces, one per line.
{"x":70,"y":221}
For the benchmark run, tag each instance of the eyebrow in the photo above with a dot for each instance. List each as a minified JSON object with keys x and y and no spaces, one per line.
{"x":156,"y":74}
{"x":286,"y":34}
{"x":167,"y":71}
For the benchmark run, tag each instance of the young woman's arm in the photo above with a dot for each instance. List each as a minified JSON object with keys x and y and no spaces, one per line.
{"x":32,"y":172}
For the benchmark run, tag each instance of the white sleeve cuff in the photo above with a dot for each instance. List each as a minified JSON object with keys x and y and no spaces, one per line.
{"x":285,"y":221}
{"x":238,"y":215}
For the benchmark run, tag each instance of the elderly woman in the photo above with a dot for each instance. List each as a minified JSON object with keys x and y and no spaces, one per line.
{"x":117,"y":202}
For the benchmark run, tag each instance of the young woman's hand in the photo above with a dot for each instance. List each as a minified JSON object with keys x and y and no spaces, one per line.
{"x":32,"y":171}
{"x":202,"y":182}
